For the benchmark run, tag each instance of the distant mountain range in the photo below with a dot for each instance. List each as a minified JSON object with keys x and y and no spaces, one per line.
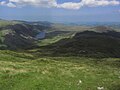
{"x":88,"y":41}
{"x":94,"y":23}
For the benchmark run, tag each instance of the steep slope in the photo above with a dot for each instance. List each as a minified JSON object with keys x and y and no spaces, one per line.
{"x":90,"y":44}
{"x":19,"y":35}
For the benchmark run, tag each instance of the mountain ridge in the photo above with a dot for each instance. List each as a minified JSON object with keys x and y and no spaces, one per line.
{"x":89,"y":44}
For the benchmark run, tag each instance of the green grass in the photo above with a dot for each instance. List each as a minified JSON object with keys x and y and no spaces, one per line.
{"x":3,"y":31}
{"x":21,"y":71}
{"x":4,"y":23}
{"x":55,"y":39}
{"x":50,"y":41}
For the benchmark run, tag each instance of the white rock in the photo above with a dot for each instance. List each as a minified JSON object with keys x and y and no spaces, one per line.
{"x":100,"y":88}
{"x":79,"y":82}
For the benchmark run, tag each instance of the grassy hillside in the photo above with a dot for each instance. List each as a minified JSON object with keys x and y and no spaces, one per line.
{"x":4,"y":23}
{"x":88,"y":44}
{"x":21,"y":71}
{"x":22,"y":34}
{"x":50,"y":39}
{"x":18,"y":35}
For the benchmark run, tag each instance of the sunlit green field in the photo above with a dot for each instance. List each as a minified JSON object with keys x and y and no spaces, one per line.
{"x":23,"y":71}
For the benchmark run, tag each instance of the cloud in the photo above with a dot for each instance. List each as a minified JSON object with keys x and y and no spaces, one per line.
{"x":53,"y":3}
{"x":11,"y":5}
{"x":88,"y":3}
{"x":4,"y":3}
{"x":37,"y":3}
{"x":70,"y":5}
{"x":100,"y":2}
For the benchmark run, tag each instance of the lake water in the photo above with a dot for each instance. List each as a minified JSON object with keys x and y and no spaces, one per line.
{"x":41,"y":35}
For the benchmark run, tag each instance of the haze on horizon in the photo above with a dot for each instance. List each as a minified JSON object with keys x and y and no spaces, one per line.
{"x":61,"y":10}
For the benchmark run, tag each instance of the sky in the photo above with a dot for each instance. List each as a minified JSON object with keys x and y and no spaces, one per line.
{"x":61,"y":10}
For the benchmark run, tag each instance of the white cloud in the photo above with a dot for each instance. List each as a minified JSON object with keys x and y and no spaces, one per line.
{"x":66,"y":5}
{"x":89,"y":3}
{"x":70,"y":5}
{"x":100,"y":2}
{"x":38,"y":3}
{"x":3,"y":3}
{"x":11,"y":5}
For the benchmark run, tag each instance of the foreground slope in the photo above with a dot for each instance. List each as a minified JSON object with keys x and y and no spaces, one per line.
{"x":23,"y":71}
